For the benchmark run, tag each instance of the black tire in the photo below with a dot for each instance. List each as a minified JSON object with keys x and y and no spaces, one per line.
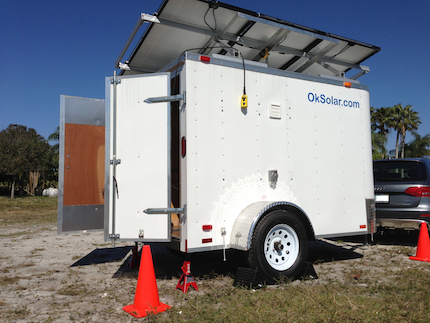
{"x":279,"y":246}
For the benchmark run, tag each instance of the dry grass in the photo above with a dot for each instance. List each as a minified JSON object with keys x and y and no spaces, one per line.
{"x":405,"y":299}
{"x":382,"y":286}
{"x":29,"y":211}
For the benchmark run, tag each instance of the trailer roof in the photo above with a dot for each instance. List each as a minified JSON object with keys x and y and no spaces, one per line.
{"x":207,"y":26}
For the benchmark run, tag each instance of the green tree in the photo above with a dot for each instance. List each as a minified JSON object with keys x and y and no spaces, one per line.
{"x":378,"y":145}
{"x":24,"y":155}
{"x":55,"y":137}
{"x":382,"y":123}
{"x":419,"y":146}
{"x":406,"y":119}
{"x":52,"y":177}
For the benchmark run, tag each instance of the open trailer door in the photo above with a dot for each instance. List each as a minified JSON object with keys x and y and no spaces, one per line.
{"x":137,"y":158}
{"x":81,"y":164}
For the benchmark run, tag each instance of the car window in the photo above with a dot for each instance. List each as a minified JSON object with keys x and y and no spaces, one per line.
{"x":399,"y":171}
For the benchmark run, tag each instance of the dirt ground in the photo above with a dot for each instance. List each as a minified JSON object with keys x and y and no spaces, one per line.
{"x":47,"y":277}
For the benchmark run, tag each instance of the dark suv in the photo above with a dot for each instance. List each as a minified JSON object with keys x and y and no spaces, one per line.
{"x":402,"y":192}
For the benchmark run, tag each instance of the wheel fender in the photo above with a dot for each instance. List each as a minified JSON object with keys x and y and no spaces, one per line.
{"x":246,"y":221}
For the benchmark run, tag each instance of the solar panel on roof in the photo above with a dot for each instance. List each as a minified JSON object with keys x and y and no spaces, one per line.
{"x":208,"y":27}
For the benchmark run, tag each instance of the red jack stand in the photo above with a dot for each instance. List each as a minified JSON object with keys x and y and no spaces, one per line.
{"x":135,"y":258}
{"x":186,"y":279}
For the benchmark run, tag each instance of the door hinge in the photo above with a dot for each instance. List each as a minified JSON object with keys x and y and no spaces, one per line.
{"x":115,"y":80}
{"x":115,"y":161}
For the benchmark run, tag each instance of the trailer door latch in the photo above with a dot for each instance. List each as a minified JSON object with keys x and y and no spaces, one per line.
{"x":170,"y":98}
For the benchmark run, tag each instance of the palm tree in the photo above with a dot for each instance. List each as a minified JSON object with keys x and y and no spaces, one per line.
{"x":50,"y":177}
{"x":419,"y":146}
{"x":382,"y":122}
{"x":407,"y":120}
{"x":55,"y":137}
{"x":378,"y":145}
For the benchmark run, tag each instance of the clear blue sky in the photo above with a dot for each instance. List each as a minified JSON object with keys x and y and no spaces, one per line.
{"x":48,"y":48}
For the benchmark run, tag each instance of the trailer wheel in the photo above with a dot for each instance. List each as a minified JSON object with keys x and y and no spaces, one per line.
{"x":279,"y":246}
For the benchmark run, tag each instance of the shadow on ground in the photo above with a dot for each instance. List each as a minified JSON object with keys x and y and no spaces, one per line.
{"x":386,"y":237}
{"x":168,"y":265}
{"x":211,"y":264}
{"x":103,"y":255}
{"x":322,"y":251}
{"x":399,"y":238}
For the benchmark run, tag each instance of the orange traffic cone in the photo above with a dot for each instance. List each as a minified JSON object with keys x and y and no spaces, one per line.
{"x":423,"y":247}
{"x":146,"y":300}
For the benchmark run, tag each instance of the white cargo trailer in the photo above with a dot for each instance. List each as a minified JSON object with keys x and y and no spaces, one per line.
{"x":225,"y":149}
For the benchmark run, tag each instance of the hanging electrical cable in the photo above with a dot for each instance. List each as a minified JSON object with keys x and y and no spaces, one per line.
{"x":244,"y":100}
{"x":212,"y":5}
